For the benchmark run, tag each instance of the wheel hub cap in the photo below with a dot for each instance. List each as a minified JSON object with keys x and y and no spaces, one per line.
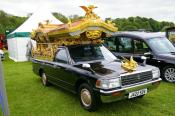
{"x":44,"y":79}
{"x":86,"y":97}
{"x":170,"y":74}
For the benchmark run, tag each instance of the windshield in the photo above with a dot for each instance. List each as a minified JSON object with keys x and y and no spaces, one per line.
{"x":90,"y":52}
{"x":161,"y":45}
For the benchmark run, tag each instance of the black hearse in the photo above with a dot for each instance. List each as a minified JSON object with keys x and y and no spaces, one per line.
{"x":96,"y":75}
{"x":159,"y":51}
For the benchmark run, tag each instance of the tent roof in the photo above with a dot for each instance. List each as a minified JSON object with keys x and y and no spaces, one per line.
{"x":32,"y":22}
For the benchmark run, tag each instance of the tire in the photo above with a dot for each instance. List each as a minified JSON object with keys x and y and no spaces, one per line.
{"x":89,"y":100}
{"x":44,"y":79}
{"x":168,"y":73}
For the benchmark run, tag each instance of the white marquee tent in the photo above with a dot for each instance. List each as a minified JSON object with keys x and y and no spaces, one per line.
{"x":18,"y":39}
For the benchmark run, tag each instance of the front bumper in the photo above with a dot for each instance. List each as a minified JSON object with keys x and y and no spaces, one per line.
{"x":122,"y":93}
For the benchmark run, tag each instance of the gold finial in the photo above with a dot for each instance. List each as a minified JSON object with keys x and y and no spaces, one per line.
{"x":89,"y":11}
{"x":47,"y":22}
{"x":129,"y":65}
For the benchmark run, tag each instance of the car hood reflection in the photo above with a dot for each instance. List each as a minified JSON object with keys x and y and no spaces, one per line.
{"x":111,"y":69}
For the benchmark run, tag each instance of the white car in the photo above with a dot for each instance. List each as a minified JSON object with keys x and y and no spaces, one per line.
{"x":2,"y":55}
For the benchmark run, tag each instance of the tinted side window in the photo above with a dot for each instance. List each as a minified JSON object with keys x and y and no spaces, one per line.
{"x":85,"y":53}
{"x":124,"y":45}
{"x":61,"y":56}
{"x":110,"y":43}
{"x":140,"y":47}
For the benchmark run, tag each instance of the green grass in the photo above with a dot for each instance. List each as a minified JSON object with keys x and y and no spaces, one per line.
{"x":28,"y":97}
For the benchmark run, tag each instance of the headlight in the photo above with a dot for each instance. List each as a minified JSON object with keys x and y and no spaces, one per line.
{"x":156,"y":73}
{"x":108,"y":83}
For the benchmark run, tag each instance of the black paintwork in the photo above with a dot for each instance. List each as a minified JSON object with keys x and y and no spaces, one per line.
{"x":71,"y":75}
{"x":155,"y":59}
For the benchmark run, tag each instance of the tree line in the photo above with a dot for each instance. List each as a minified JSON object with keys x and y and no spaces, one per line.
{"x":8,"y":21}
{"x":135,"y":23}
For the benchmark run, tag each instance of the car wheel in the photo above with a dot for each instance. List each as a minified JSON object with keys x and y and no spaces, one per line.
{"x":88,"y":99}
{"x":44,"y":80}
{"x":169,"y":73}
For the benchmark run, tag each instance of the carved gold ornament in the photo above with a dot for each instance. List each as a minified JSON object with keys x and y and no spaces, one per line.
{"x":129,"y":65}
{"x":89,"y":12}
{"x":87,"y":30}
{"x":33,"y":33}
{"x":93,"y":34}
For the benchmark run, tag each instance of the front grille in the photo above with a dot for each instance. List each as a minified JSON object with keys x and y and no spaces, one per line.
{"x":136,"y":78}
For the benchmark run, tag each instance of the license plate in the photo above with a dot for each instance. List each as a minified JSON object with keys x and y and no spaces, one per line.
{"x":137,"y":93}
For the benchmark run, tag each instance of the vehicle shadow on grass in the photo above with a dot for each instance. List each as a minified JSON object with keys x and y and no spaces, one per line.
{"x":123,"y":107}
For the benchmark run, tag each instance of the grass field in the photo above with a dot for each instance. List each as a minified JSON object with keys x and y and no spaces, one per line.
{"x":27,"y":97}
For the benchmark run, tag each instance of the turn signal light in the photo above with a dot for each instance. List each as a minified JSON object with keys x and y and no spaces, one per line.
{"x":98,"y":82}
{"x":117,"y":93}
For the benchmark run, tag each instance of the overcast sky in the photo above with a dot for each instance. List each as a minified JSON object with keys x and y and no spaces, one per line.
{"x":157,"y":9}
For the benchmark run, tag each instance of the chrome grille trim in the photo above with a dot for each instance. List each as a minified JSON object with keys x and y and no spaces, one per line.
{"x":134,"y":78}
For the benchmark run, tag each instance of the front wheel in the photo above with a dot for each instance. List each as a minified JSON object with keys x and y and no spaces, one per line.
{"x":44,"y":79}
{"x":88,"y":99}
{"x":168,"y":73}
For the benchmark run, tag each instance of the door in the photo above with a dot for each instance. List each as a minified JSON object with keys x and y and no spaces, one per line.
{"x":124,"y":46}
{"x":63,"y":73}
{"x":140,"y":49}
{"x":110,"y":43}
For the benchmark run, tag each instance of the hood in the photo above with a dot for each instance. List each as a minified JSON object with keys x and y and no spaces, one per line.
{"x":168,"y":58}
{"x":112,"y":69}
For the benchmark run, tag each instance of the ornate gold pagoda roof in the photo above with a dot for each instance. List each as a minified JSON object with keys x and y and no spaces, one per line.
{"x":91,"y":22}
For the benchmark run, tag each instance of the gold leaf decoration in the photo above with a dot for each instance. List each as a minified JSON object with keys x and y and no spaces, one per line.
{"x":129,"y":65}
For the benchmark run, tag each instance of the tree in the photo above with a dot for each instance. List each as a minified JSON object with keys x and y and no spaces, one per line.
{"x":129,"y":28}
{"x":75,"y":17}
{"x":61,"y":17}
{"x":140,"y":23}
{"x":8,"y":21}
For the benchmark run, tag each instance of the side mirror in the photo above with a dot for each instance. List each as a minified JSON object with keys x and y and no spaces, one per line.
{"x":144,"y":60}
{"x":147,"y":54}
{"x":88,"y":66}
